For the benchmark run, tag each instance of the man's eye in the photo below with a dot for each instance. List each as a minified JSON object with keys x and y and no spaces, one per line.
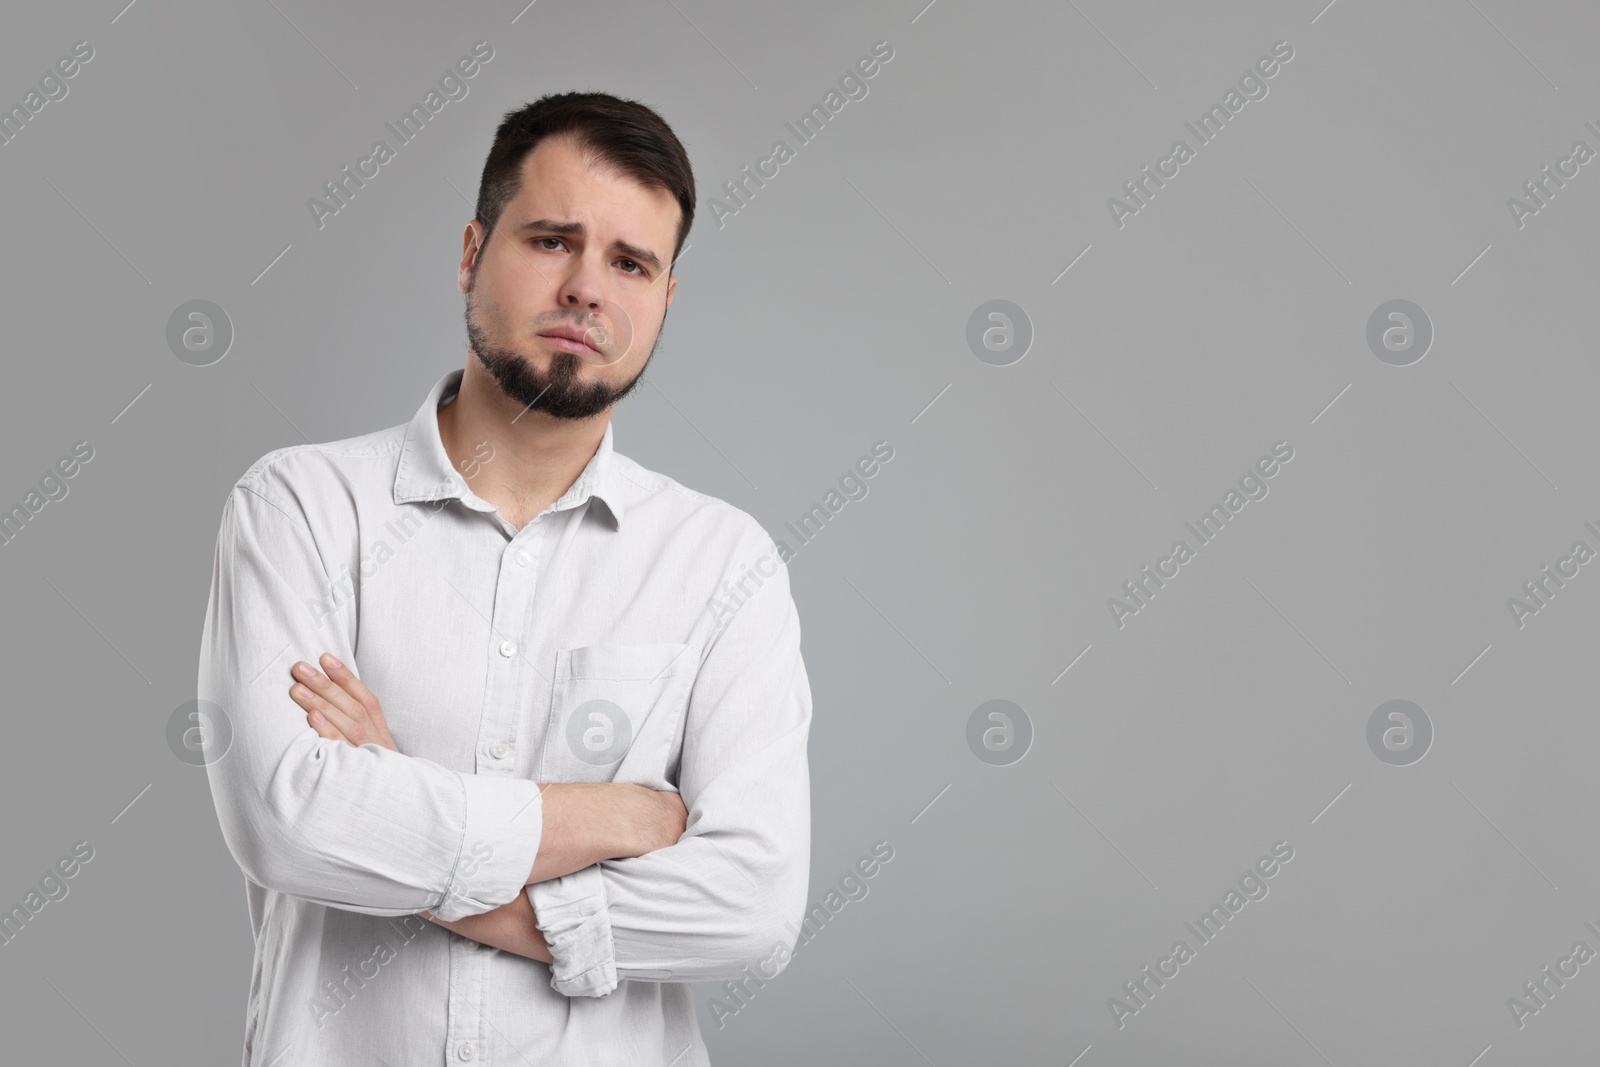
{"x":538,"y":240}
{"x":641,"y":269}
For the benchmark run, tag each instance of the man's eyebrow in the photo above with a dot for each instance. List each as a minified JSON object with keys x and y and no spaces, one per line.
{"x":575,"y":229}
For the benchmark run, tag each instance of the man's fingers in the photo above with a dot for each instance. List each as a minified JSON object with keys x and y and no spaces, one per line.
{"x":323,"y":727}
{"x":346,"y":679}
{"x":330,"y":691}
{"x":342,"y":721}
{"x":375,"y":726}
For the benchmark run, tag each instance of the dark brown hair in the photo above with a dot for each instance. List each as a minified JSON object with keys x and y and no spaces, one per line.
{"x":624,"y":135}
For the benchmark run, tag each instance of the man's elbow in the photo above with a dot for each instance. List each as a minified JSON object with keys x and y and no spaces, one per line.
{"x":766,"y":933}
{"x":268,"y":826}
{"x":264,"y":846}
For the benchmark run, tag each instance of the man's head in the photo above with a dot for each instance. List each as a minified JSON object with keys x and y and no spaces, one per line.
{"x":583,"y":206}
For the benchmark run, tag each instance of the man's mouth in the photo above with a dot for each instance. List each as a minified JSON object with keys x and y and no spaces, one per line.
{"x":571,"y":339}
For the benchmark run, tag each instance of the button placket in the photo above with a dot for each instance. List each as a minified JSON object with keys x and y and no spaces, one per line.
{"x":506,"y":696}
{"x":503,"y":699}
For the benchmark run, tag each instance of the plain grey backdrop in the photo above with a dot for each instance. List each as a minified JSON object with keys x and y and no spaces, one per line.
{"x":1171,"y":347}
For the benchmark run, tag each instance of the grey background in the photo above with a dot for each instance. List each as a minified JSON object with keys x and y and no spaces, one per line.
{"x":829,"y":313}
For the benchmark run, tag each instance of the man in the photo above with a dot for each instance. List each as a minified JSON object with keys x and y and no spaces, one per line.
{"x":586,"y":782}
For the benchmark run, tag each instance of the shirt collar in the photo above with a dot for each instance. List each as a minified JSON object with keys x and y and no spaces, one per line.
{"x":425,"y":472}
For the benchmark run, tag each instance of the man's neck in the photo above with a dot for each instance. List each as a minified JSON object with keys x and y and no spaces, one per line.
{"x":519,"y":461}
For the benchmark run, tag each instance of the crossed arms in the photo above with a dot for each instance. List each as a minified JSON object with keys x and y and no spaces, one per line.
{"x":584,"y":822}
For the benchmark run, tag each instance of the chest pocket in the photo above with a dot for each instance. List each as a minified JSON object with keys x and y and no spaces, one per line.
{"x":617,"y":714}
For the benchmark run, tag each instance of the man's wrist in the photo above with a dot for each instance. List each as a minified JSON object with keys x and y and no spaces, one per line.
{"x":584,"y":823}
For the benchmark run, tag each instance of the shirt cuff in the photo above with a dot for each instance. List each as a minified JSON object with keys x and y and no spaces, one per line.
{"x":504,"y":825}
{"x":572,"y":912}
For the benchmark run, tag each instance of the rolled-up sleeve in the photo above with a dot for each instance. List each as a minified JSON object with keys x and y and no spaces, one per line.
{"x":732,"y":891}
{"x":364,"y":829}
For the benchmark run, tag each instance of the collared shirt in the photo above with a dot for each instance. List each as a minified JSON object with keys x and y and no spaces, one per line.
{"x":634,"y":631}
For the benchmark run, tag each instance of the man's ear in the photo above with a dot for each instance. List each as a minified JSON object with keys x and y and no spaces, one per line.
{"x":472,"y":245}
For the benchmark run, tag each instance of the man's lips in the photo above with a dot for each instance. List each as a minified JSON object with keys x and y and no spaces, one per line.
{"x":570,"y":339}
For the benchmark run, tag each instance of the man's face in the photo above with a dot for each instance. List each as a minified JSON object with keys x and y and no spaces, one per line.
{"x":574,"y":249}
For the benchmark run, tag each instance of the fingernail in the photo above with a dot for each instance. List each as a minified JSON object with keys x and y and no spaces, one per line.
{"x":304,"y":670}
{"x":335,"y":664}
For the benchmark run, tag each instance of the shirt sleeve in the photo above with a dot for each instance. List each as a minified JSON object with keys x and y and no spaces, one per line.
{"x":731,"y":892}
{"x":362,"y":828}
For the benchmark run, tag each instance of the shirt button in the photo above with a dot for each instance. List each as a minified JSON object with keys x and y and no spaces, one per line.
{"x":523,"y":558}
{"x":499,"y":749}
{"x":508,"y":649}
{"x":465,"y":1051}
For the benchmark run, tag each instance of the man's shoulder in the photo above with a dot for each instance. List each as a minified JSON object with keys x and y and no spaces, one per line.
{"x":298,"y":474}
{"x":682,"y":511}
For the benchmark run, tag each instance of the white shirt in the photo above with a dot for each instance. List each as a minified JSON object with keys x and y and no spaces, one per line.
{"x":635,"y":631}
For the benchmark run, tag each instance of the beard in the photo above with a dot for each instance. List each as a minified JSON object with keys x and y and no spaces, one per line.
{"x":559,"y":392}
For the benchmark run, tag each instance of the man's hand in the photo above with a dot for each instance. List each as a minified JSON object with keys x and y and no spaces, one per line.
{"x":338,"y":706}
{"x":661,"y":818}
{"x":586,"y":822}
{"x":511,"y":928}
